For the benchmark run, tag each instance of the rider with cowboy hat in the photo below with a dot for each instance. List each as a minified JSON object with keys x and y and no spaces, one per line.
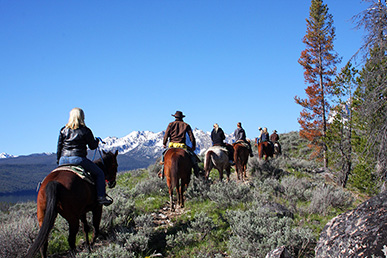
{"x":176,"y":133}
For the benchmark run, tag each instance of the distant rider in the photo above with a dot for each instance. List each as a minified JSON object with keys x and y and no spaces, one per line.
{"x":240,"y":135}
{"x":218,"y":137}
{"x":274,"y":138}
{"x":176,"y":134}
{"x":72,"y":150}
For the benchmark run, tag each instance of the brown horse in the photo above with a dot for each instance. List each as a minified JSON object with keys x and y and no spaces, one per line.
{"x":241,"y":155}
{"x":177,"y":171}
{"x":265,"y":150}
{"x":216,"y":157}
{"x":66,"y":193}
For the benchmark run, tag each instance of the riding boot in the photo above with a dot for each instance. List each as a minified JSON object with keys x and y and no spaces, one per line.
{"x":161,"y":172}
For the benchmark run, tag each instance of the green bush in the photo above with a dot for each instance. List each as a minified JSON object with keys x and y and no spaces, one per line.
{"x":229,"y":194}
{"x":256,"y":232}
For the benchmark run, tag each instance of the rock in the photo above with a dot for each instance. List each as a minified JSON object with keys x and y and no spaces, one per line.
{"x":280,"y":252}
{"x":361,"y":232}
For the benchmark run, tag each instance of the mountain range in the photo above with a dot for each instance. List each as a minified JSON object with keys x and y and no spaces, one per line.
{"x":139,"y":149}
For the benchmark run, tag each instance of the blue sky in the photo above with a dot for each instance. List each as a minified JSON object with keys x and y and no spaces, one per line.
{"x":131,"y":64}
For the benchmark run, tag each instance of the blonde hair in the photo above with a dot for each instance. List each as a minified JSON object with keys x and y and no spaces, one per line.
{"x":76,"y":119}
{"x":216,"y":126}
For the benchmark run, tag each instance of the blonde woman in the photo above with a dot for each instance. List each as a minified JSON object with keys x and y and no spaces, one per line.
{"x":217,"y":136}
{"x":264,"y":135}
{"x":72,"y":150}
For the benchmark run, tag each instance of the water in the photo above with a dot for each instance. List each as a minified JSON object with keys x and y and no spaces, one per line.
{"x":22,"y":196}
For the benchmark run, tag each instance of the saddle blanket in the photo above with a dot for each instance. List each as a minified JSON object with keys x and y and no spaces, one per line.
{"x":78,"y":170}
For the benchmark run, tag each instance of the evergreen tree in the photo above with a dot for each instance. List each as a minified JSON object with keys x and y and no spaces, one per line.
{"x":319,"y":62}
{"x":373,"y":85}
{"x":339,"y":135}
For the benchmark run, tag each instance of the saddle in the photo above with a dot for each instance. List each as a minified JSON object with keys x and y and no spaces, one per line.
{"x":243,"y":143}
{"x":220,"y":147}
{"x":78,"y":170}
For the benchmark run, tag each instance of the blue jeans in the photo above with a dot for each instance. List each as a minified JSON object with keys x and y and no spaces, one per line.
{"x":88,"y":165}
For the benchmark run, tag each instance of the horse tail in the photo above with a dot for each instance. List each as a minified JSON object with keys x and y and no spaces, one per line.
{"x":208,"y":160}
{"x":49,"y":218}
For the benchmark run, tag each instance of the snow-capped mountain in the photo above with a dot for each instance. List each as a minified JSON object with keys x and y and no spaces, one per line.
{"x":6,"y":155}
{"x":144,"y":145}
{"x":151,"y":144}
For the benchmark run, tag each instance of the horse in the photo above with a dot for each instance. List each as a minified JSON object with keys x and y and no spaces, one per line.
{"x":65,"y":192}
{"x":216,"y":157}
{"x":177,"y":171}
{"x":241,"y":155}
{"x":265,"y":150}
{"x":277,"y":149}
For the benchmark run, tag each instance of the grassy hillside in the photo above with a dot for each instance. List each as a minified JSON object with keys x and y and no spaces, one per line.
{"x":285,"y":201}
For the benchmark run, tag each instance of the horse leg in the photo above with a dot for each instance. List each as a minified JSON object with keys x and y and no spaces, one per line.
{"x":97,"y":215}
{"x":220,"y":174}
{"x":244,"y":170}
{"x":178,"y":192}
{"x":86,"y":230}
{"x":182,"y":189}
{"x":171,"y":198}
{"x":228,"y":173}
{"x":73,"y":230}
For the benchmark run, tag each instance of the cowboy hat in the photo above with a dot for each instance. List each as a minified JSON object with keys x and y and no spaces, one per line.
{"x":178,"y":114}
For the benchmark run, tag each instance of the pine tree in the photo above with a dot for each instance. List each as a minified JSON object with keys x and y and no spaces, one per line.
{"x":373,"y":85}
{"x":319,"y":62}
{"x":339,"y":135}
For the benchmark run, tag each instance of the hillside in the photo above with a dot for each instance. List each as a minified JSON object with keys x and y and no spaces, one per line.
{"x":286,"y":201}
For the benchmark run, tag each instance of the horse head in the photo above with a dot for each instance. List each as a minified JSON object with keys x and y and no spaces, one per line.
{"x":110,"y":166}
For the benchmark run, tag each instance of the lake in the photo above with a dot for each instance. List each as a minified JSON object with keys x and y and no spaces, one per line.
{"x":22,"y":196}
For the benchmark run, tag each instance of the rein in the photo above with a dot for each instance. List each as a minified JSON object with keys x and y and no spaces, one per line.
{"x":99,"y":150}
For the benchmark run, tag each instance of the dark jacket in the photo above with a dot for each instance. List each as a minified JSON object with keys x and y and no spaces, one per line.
{"x":72,"y":142}
{"x":176,"y":132}
{"x":274,"y":137}
{"x":264,"y":137}
{"x":217,"y":137}
{"x":240,"y":134}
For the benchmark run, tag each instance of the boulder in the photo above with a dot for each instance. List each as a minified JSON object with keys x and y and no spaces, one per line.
{"x":361,"y":232}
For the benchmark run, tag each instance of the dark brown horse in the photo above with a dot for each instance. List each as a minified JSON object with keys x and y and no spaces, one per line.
{"x":177,"y":171}
{"x":217,"y":157}
{"x":265,"y":150}
{"x":66,"y":193}
{"x":241,"y":156}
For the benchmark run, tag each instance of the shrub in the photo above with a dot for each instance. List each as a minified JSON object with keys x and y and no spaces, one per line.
{"x":257,"y":231}
{"x":229,"y":194}
{"x":17,"y":235}
{"x":197,"y":229}
{"x":121,"y":211}
{"x":262,"y":169}
{"x":198,"y":189}
{"x":111,"y":250}
{"x":325,"y":197}
{"x":296,"y":188}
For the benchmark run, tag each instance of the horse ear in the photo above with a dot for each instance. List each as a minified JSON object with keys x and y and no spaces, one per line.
{"x":116,"y":153}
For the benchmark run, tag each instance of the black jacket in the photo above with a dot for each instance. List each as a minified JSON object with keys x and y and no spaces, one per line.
{"x":72,"y":142}
{"x":217,"y":137}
